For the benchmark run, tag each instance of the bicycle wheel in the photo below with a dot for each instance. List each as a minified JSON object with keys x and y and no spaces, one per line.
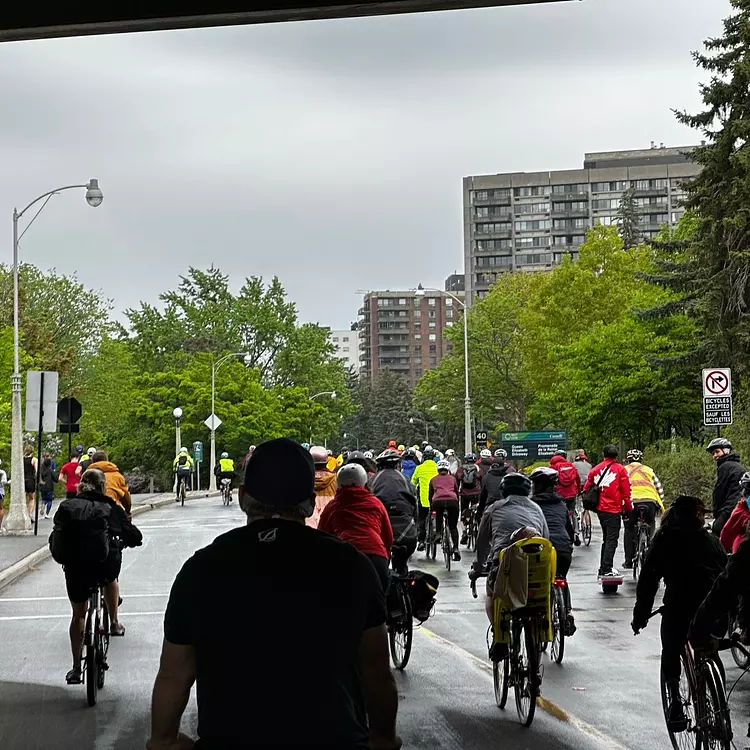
{"x":640,"y":553}
{"x":102,"y":647}
{"x":559,"y":615}
{"x":182,"y":492}
{"x":526,"y":683}
{"x":714,"y":724}
{"x":446,"y":544}
{"x":432,"y":547}
{"x":739,"y":656}
{"x":401,"y":629}
{"x":500,"y":679}
{"x":689,"y":739}
{"x":586,"y":529}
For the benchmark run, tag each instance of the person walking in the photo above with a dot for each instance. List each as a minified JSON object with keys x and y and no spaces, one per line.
{"x":581,"y":462}
{"x":3,"y":484}
{"x":613,"y":482}
{"x":30,"y":465}
{"x":47,"y":482}
{"x":302,"y":591}
{"x":727,"y":490}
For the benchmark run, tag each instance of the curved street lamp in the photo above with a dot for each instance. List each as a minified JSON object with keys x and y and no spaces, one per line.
{"x":419,"y":292}
{"x":247,"y":360}
{"x":18,"y":520}
{"x":351,"y":435}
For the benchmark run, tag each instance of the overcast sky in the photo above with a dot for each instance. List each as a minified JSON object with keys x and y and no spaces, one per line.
{"x":329,"y":153}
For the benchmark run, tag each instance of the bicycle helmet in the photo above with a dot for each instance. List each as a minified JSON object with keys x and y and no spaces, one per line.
{"x":90,"y":452}
{"x":306,"y":446}
{"x":745,"y":482}
{"x":561,"y":452}
{"x":225,"y":455}
{"x":469,"y":458}
{"x":486,"y":453}
{"x":634,"y":455}
{"x":450,"y":452}
{"x":719,"y":442}
{"x":525,"y":532}
{"x":401,"y":448}
{"x":319,"y":454}
{"x":428,"y":454}
{"x":389,"y":458}
{"x":368,"y":454}
{"x":443,"y":465}
{"x":543,"y":478}
{"x":515,"y":484}
{"x":501,"y":453}
{"x":581,"y":456}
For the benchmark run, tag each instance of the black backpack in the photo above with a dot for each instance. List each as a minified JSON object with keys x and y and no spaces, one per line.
{"x":81,"y":532}
{"x":182,"y":460}
{"x":469,"y":476}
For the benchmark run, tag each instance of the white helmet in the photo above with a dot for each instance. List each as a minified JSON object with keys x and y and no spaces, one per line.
{"x":486,"y":453}
{"x":91,"y":451}
{"x":183,"y":450}
{"x":443,"y":465}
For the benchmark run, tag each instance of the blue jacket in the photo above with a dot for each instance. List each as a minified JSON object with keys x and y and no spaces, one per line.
{"x":407,"y":468}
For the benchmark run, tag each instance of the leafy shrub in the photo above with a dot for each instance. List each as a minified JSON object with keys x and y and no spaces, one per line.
{"x":690,"y":470}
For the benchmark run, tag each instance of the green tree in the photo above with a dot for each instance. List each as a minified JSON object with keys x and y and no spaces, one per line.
{"x":628,"y":220}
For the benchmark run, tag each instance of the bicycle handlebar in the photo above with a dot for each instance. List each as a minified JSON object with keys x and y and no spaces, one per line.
{"x":473,"y":575}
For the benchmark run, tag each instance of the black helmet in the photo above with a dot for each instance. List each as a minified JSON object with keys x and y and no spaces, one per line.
{"x":718,"y":442}
{"x":515,"y":484}
{"x":389,"y":457}
{"x":356,"y":457}
{"x":469,"y":457}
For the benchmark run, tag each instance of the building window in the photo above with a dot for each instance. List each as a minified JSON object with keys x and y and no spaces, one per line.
{"x":494,"y":245}
{"x":433,"y":361}
{"x":344,"y":348}
{"x":606,"y":203}
{"x":431,"y":301}
{"x":417,"y":336}
{"x":432,"y":324}
{"x":480,"y":195}
{"x":417,"y":301}
{"x":532,"y":208}
{"x":448,"y":314}
{"x":530,"y":242}
{"x":535,"y":259}
{"x":580,"y":187}
{"x":527,"y":192}
{"x":449,"y":301}
{"x":335,"y":339}
{"x":402,"y":301}
{"x":345,"y":339}
{"x":433,"y":348}
{"x":605,"y":221}
{"x":433,"y":337}
{"x":432,"y":313}
{"x":569,"y":223}
{"x":530,"y":226}
{"x":417,"y":360}
{"x":492,"y":228}
{"x":417,"y":313}
{"x":610,"y":187}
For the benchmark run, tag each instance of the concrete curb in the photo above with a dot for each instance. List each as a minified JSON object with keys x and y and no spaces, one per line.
{"x":25,"y":564}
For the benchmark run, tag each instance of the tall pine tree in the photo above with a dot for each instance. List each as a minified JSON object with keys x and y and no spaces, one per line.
{"x":711,"y":270}
{"x":628,"y":219}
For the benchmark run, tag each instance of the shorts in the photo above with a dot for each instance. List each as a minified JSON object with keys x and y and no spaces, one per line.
{"x":80,"y":583}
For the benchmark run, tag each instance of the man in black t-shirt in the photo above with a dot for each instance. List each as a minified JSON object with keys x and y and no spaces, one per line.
{"x":281,"y":625}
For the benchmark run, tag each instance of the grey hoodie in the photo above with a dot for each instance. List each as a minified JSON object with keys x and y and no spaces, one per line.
{"x":499,"y":522}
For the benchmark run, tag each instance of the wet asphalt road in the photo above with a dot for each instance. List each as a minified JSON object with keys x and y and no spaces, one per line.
{"x":606,"y":694}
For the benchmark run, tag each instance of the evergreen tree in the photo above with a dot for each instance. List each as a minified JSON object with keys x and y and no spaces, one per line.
{"x":628,"y":220}
{"x":711,"y":269}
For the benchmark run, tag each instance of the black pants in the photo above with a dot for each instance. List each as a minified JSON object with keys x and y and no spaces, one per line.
{"x":649,"y":515}
{"x":720,"y":521}
{"x":449,"y":507}
{"x":610,"y":523}
{"x":400,"y":554}
{"x":674,"y":631}
{"x":564,"y":559}
{"x":466,"y":502}
{"x":424,"y":512}
{"x":381,"y":568}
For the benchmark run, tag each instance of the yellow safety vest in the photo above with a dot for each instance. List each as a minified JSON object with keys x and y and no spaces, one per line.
{"x":226,"y":465}
{"x":642,"y":484}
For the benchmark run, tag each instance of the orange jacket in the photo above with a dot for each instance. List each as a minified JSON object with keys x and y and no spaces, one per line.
{"x":117,"y":487}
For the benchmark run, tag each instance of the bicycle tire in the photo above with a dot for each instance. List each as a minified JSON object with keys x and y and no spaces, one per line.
{"x":401,"y":650}
{"x":527,"y":671}
{"x":559,"y":615}
{"x":689,"y":739}
{"x":103,"y":647}
{"x":500,"y":680}
{"x":739,"y":657}
{"x":640,"y":553}
{"x":446,"y":544}
{"x":714,"y":723}
{"x":92,"y":677}
{"x":182,"y":492}
{"x":586,"y":531}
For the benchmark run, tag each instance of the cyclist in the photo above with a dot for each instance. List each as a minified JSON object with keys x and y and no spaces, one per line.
{"x":397,"y":494}
{"x":117,"y":487}
{"x":358,"y":517}
{"x":443,"y":496}
{"x":492,"y":480}
{"x":485,"y":460}
{"x":183,"y":468}
{"x":84,"y":463}
{"x":727,"y":491}
{"x":568,"y":483}
{"x":248,"y":456}
{"x":75,"y":519}
{"x":469,"y":477}
{"x":647,"y":496}
{"x":225,"y":470}
{"x":408,"y":463}
{"x":689,"y":559}
{"x":452,"y":459}
{"x":614,"y":496}
{"x":581,"y":462}
{"x":325,"y":483}
{"x":560,"y":524}
{"x":735,"y":528}
{"x":421,"y":480}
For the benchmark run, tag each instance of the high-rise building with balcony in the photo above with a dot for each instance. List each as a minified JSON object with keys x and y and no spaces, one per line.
{"x":403,"y":331}
{"x":529,"y":221}
{"x":346,"y":343}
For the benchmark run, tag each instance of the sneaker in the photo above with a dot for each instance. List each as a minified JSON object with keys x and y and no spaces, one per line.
{"x":456,"y":556}
{"x":498,"y":651}
{"x":420,"y":547}
{"x":464,"y":539}
{"x":74,"y":677}
{"x":676,"y":719}
{"x":577,"y":540}
{"x":570,"y":625}
{"x":614,"y":573}
{"x":628,"y":565}
{"x":117,"y":629}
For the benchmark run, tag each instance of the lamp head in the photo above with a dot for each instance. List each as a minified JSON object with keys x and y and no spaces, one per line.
{"x":177,"y":413}
{"x":94,"y":195}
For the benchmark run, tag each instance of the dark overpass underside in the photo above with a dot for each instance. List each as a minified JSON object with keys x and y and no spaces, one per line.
{"x":35,"y":21}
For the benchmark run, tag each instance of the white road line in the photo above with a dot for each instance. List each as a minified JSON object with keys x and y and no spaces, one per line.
{"x":65,"y":598}
{"x":66,"y":616}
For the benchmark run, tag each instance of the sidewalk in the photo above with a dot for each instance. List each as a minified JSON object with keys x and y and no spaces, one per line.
{"x":18,"y":554}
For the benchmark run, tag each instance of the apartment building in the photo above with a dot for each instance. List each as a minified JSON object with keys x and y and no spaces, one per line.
{"x":346,"y":343}
{"x":529,"y":221}
{"x":403,"y":331}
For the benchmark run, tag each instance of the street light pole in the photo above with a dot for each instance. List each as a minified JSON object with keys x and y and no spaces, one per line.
{"x":467,"y":398}
{"x":214,"y":367}
{"x":18,"y":521}
{"x":332,"y":394}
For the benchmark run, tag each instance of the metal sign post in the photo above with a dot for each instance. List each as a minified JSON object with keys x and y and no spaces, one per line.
{"x":717,"y":398}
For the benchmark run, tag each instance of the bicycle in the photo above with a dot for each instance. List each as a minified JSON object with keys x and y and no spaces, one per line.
{"x":95,"y":644}
{"x":181,"y":489}
{"x":400,"y":621}
{"x":431,"y":541}
{"x":519,"y":667}
{"x":584,"y":524}
{"x":703,"y":698}
{"x":470,"y":527}
{"x":446,"y":542}
{"x":559,"y":619}
{"x":226,"y":491}
{"x":643,"y":541}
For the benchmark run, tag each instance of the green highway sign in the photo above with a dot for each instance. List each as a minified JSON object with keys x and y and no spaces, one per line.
{"x":198,"y":451}
{"x":532,"y":446}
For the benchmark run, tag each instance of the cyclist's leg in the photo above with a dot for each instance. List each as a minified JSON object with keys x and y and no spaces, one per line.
{"x":438,"y":506}
{"x":111,"y":574}
{"x":424,"y":512}
{"x":629,"y":536}
{"x":78,"y":590}
{"x":651,"y":511}
{"x":452,"y":513}
{"x":674,"y":630}
{"x":465,"y":502}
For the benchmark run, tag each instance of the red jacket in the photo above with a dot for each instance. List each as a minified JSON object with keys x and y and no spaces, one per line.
{"x":68,"y":473}
{"x":443,"y":487}
{"x":614,"y":496}
{"x":734,"y":529}
{"x":358,"y":517}
{"x":569,"y":480}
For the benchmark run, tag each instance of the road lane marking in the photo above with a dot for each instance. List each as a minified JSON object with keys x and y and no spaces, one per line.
{"x":66,"y":616}
{"x":65,"y":598}
{"x":609,"y":743}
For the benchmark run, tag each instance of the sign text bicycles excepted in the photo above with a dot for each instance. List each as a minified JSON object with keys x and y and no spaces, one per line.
{"x":717,"y":397}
